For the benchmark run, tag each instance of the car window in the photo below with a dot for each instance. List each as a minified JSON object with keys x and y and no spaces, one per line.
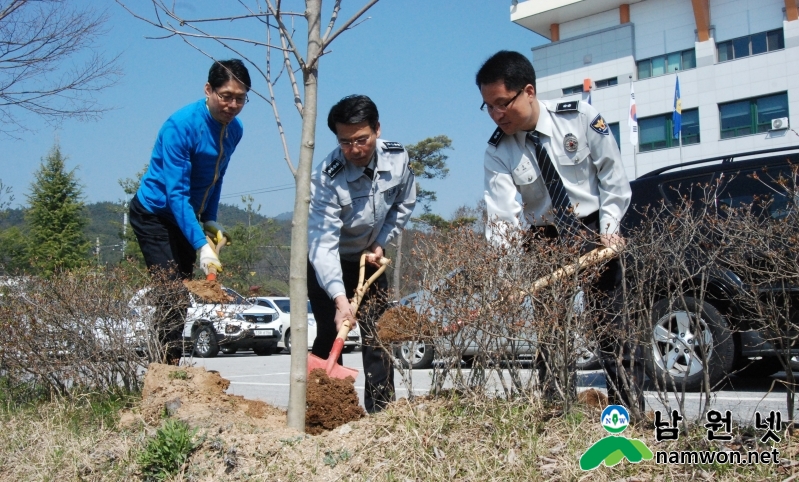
{"x":283,"y":305}
{"x":237,"y":298}
{"x":692,"y":188}
{"x":766,"y":191}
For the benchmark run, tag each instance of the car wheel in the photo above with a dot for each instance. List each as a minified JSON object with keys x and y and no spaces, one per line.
{"x":587,"y":359}
{"x":687,"y":340}
{"x":765,"y":367}
{"x":205,"y":344}
{"x":229,"y":351}
{"x":287,"y":341}
{"x":414,"y":354}
{"x":264,"y":350}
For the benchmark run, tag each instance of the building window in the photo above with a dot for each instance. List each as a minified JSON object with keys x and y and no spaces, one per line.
{"x":614,"y":129}
{"x":657,"y":132}
{"x":666,"y":64}
{"x":750,"y":116}
{"x":751,"y":45}
{"x":606,"y":82}
{"x":599,"y":84}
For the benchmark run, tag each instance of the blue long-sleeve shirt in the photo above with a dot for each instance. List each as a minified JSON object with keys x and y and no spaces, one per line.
{"x":184,"y":179}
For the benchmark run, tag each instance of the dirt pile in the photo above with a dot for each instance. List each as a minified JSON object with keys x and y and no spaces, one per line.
{"x":401,"y":323}
{"x":330,"y":402}
{"x":209,"y":290}
{"x":195,"y":395}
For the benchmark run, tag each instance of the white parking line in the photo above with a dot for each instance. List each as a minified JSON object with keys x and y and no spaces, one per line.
{"x":258,"y":375}
{"x":361,"y":388}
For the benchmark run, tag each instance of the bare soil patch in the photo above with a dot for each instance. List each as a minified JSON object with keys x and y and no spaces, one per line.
{"x":330,"y":402}
{"x":402,"y":323}
{"x":209,"y":290}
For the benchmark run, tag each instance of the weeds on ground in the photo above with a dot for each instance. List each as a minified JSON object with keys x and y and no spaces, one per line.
{"x":165,"y":453}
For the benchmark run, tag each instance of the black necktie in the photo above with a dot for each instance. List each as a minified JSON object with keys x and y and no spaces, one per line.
{"x":369,"y":172}
{"x":565,"y":220}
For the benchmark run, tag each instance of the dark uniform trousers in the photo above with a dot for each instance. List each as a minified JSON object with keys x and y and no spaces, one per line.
{"x":611,"y":329}
{"x":169,"y":257}
{"x":377,"y":363}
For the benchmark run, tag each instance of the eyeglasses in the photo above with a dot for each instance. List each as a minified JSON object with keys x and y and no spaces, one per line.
{"x":500,"y":108}
{"x":359,"y":142}
{"x":229,"y":98}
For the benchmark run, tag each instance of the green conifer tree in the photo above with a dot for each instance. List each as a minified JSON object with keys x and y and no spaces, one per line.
{"x":56,"y":218}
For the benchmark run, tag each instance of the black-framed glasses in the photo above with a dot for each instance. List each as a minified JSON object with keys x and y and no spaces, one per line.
{"x":359,"y":142}
{"x":500,"y":108}
{"x":230,"y":98}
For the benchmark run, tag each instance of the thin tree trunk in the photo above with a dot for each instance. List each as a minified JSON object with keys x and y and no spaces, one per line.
{"x":298,"y":287}
{"x":397,"y":265}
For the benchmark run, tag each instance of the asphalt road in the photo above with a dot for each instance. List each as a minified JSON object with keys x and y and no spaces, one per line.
{"x":267,"y":378}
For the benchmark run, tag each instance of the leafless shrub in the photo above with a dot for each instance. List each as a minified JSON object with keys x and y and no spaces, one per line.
{"x":76,"y":330}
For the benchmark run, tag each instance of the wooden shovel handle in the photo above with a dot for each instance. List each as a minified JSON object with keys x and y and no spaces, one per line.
{"x":591,"y":258}
{"x":360,"y":291}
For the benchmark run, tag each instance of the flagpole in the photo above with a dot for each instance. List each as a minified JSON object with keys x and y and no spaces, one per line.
{"x":680,"y":141}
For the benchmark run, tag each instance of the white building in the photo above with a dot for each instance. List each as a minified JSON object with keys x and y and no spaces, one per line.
{"x":733,"y":59}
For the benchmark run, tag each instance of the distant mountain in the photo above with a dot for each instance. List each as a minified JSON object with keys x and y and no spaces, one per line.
{"x":287,"y":216}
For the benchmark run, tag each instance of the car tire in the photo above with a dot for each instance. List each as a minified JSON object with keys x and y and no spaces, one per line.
{"x":765,"y":367}
{"x":264,"y":350}
{"x":205,"y":343}
{"x":414,"y":354}
{"x":229,"y":351}
{"x":287,"y":341}
{"x":676,"y":354}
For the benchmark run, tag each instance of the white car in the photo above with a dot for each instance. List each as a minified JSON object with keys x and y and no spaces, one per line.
{"x":229,"y":327}
{"x":282,"y":305}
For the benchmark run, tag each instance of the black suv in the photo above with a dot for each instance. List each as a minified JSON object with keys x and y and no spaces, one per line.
{"x":732,"y":343}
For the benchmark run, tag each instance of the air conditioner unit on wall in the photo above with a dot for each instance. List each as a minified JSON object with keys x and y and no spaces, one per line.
{"x":779,"y":123}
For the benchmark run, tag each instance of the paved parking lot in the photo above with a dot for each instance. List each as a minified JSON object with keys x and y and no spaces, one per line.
{"x":267,"y":378}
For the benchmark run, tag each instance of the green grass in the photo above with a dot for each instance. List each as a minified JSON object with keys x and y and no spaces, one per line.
{"x":164,"y":454}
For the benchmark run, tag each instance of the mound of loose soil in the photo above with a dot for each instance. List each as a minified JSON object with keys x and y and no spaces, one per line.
{"x":194,"y":394}
{"x":330,"y":402}
{"x":402,"y":323}
{"x":209,"y":290}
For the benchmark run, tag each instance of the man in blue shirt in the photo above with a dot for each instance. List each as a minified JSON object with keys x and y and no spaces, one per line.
{"x":177,"y":201}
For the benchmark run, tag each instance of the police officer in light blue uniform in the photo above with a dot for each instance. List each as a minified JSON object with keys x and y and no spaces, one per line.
{"x":562,"y":161}
{"x":362,"y":195}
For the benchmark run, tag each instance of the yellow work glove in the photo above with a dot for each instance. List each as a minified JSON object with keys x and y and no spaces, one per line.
{"x":209,"y":259}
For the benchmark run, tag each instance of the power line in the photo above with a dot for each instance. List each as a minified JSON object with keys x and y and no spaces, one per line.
{"x":282,"y":187}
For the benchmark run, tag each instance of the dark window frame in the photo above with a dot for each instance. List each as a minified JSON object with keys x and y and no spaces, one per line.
{"x":668,"y":127}
{"x":742,"y":47}
{"x":754,"y":127}
{"x":687,"y":62}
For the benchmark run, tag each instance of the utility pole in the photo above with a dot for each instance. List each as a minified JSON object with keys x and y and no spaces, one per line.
{"x":97,"y":250}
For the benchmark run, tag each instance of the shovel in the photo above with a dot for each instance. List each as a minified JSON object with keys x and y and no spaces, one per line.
{"x":211,"y":276}
{"x":329,"y":365}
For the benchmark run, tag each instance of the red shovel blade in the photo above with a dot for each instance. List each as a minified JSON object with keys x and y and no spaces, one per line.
{"x":329,"y":365}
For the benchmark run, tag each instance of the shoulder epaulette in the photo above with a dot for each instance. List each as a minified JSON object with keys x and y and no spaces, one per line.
{"x":334,"y":168}
{"x":496,"y":137}
{"x":392,"y":146}
{"x":567,"y":106}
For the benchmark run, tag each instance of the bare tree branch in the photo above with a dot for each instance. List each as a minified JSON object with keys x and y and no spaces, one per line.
{"x":344,"y":27}
{"x":40,"y":42}
{"x":274,"y":106}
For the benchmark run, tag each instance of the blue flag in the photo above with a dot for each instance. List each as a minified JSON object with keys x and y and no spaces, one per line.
{"x":676,"y":116}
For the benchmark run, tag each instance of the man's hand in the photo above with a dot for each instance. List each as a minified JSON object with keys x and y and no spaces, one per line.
{"x":209,"y":259}
{"x":344,"y":312}
{"x":614,"y":240}
{"x":374,"y":257}
{"x":216,"y":231}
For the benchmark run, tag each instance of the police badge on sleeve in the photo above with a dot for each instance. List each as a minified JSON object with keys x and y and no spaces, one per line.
{"x":600,"y":126}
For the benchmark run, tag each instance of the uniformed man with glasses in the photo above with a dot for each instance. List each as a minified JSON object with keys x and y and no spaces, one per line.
{"x":562,"y":160}
{"x":176,"y":204}
{"x":362,"y":195}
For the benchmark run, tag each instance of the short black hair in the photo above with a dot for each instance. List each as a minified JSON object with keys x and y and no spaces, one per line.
{"x":353,"y":109}
{"x":224,"y":70}
{"x":510,"y":67}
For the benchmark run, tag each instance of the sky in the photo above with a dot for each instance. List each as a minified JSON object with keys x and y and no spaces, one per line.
{"x":415,"y":58}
